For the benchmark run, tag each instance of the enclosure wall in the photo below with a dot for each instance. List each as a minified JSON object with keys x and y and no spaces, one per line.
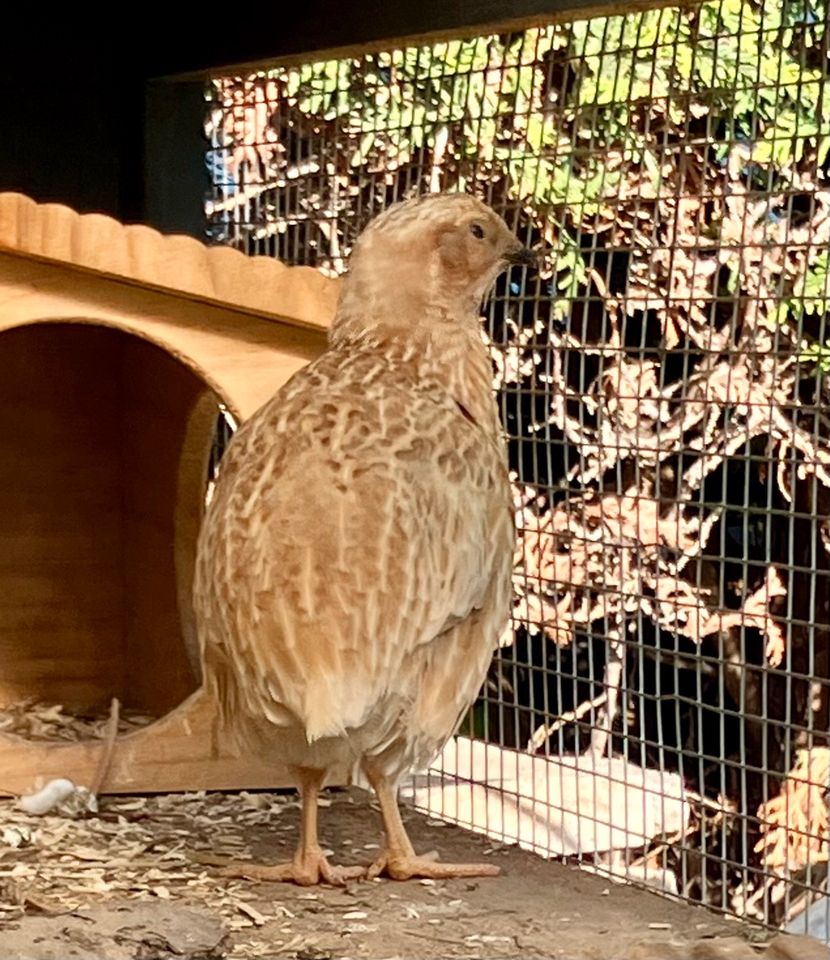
{"x":659,"y":707}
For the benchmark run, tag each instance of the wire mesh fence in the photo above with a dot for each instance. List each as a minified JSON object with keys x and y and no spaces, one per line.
{"x":658,"y":710}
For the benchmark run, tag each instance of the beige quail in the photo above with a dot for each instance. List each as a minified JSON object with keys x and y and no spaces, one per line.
{"x":354,"y":566}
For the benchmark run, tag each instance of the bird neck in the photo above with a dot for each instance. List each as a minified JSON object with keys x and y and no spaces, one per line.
{"x":390,"y":288}
{"x":439,"y":350}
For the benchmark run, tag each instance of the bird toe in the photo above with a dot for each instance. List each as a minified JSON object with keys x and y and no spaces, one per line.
{"x":426,"y":867}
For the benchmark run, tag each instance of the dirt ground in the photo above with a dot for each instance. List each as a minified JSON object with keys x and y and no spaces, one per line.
{"x":139,"y":882}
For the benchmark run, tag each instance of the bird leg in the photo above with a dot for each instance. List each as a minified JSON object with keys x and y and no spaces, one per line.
{"x":399,"y":860}
{"x":309,"y":865}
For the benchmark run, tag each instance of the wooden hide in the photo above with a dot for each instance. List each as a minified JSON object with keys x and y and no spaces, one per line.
{"x":117,"y":346}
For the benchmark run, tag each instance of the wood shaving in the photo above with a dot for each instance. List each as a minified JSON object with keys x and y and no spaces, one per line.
{"x":34,"y":720}
{"x":133,"y":849}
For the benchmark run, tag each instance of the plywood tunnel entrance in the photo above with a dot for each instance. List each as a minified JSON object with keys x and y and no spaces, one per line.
{"x":103,"y":461}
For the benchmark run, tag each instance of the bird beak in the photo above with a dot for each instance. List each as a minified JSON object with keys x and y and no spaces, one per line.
{"x":521,"y":256}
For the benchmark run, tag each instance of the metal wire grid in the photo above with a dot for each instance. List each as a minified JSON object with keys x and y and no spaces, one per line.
{"x":658,"y":710}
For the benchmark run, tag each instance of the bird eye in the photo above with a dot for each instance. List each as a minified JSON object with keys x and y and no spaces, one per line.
{"x":477,"y":231}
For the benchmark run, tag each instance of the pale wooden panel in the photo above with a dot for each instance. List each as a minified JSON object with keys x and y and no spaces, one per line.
{"x":74,"y":627}
{"x":140,"y":254}
{"x":89,"y":598}
{"x":194,"y":458}
{"x":244,"y":359}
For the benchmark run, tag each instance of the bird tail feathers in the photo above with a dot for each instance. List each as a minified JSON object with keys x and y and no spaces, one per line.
{"x":322,"y":718}
{"x":334,"y":709}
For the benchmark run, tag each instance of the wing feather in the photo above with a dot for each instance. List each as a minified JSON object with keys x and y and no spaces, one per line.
{"x":351,"y":526}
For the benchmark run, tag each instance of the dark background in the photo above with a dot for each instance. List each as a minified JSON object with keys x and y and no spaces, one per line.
{"x":106,"y":115}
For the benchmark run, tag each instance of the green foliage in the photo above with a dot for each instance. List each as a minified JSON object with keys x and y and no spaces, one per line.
{"x":810,"y":296}
{"x":562,"y":114}
{"x":813,"y":291}
{"x":737,"y":62}
{"x":562,"y":121}
{"x":819,"y":354}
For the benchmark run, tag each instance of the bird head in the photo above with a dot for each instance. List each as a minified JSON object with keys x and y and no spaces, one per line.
{"x":437,"y":253}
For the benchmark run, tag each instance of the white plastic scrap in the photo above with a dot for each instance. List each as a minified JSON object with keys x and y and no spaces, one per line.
{"x":61,"y":796}
{"x":555,"y":806}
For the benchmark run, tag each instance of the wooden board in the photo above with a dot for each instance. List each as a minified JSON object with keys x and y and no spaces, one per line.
{"x":178,"y":752}
{"x":157,"y":400}
{"x":61,"y":588}
{"x":242,"y":358}
{"x":138,"y":254}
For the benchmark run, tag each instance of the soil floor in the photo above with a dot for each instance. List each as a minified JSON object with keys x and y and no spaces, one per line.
{"x":158,"y":897}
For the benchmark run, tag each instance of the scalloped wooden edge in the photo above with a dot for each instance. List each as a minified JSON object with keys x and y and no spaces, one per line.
{"x":174,"y":263}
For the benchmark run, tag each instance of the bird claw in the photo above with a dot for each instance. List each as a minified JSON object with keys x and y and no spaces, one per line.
{"x":305,"y":871}
{"x":408,"y":867}
{"x":339,"y":876}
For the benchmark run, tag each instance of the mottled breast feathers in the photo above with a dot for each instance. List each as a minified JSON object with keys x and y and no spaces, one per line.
{"x":366,"y":514}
